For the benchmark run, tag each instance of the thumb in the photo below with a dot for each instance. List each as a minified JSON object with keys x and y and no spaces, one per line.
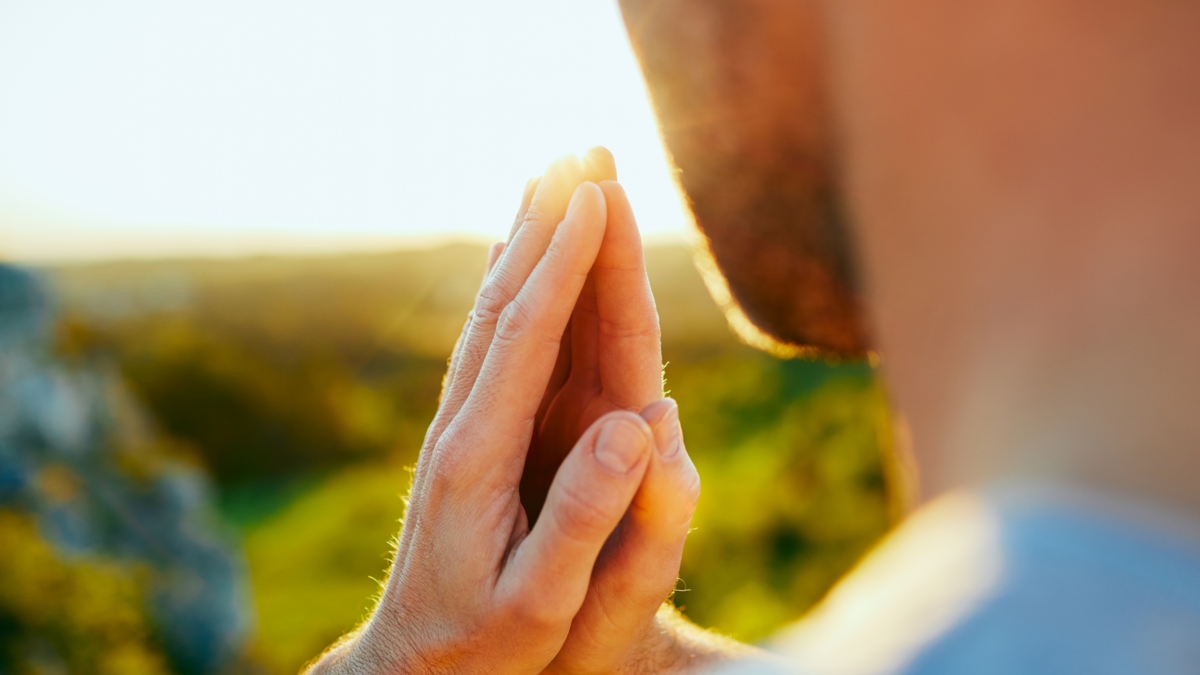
{"x":590,"y":494}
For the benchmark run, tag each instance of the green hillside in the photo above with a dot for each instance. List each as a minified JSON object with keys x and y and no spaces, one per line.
{"x":305,"y":384}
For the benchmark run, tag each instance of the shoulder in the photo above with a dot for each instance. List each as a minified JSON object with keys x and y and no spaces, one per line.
{"x":1016,"y":580}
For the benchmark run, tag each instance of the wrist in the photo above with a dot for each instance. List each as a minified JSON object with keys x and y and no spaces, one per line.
{"x":675,"y":646}
{"x":369,"y":650}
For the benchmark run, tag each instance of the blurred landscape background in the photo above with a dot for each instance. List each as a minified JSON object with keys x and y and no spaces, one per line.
{"x":291,"y":394}
{"x":203,"y":448}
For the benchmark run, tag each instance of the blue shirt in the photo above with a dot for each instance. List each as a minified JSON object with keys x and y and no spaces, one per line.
{"x":1019,"y":579}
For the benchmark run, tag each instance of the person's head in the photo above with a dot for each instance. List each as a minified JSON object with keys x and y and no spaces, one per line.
{"x":1002,"y":197}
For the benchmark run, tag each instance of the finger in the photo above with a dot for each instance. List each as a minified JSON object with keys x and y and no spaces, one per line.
{"x":630,"y":356}
{"x":543,"y":207}
{"x":634,"y":577}
{"x":522,"y":355}
{"x":526,"y":197}
{"x":549,"y":572}
{"x":493,"y":255}
{"x":542,"y":201}
{"x":543,"y":204}
{"x":538,"y":218}
{"x":558,"y":377}
{"x":585,"y":335}
{"x":599,"y":165}
{"x":556,"y":434}
{"x":541,"y":462}
{"x":662,"y":510}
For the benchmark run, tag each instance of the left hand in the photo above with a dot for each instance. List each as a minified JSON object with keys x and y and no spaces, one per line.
{"x":473,"y":587}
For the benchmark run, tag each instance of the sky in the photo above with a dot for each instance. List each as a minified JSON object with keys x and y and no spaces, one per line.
{"x":142,"y":128}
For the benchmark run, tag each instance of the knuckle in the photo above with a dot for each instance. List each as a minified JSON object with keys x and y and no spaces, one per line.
{"x":537,"y":611}
{"x":648,"y":330}
{"x":535,"y":213}
{"x":560,"y":258}
{"x":546,"y":207}
{"x":445,"y":462}
{"x":490,"y":303}
{"x":513,"y":322}
{"x":580,"y":518}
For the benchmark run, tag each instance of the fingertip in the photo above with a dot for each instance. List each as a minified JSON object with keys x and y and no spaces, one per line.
{"x":557,"y":186}
{"x":599,"y":165}
{"x":587,"y":194}
{"x":612,"y":188}
{"x":566,"y":169}
{"x":493,"y":255}
{"x":600,"y":153}
{"x":620,"y":212}
{"x":530,"y":188}
{"x":594,"y":190}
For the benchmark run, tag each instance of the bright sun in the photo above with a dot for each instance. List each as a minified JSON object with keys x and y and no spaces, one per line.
{"x":136,"y":127}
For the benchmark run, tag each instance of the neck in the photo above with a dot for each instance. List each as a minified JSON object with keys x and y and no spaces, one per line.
{"x":1102,"y":391}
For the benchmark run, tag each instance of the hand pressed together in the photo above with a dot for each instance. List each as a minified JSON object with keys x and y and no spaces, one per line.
{"x":553,"y":493}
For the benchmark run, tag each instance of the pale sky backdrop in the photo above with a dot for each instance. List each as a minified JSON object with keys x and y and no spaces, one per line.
{"x":133,"y":128}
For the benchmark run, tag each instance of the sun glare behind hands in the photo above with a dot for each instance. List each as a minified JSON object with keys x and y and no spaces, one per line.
{"x":133,"y":128}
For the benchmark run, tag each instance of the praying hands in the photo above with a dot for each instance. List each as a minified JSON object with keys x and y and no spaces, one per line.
{"x":553,"y":493}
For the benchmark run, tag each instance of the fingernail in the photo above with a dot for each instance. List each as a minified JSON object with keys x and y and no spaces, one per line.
{"x":670,"y":432}
{"x":575,"y":199}
{"x":620,"y":445}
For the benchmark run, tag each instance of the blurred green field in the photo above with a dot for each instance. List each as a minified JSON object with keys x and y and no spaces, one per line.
{"x":305,"y":385}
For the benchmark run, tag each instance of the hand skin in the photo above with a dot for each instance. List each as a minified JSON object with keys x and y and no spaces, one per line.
{"x":610,"y":360}
{"x":475,"y":586}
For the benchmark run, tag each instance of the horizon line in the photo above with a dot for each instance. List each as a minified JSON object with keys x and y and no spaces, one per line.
{"x":221,"y":246}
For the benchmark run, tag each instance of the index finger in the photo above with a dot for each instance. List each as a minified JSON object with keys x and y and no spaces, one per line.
{"x":498,"y":416}
{"x":543,"y":206}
